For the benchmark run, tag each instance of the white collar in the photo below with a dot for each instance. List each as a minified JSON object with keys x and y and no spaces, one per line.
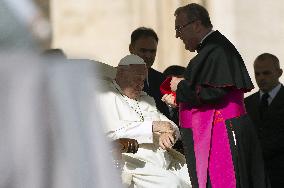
{"x":206,"y":35}
{"x":133,"y":103}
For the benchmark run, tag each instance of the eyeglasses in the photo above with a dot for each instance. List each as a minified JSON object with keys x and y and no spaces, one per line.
{"x":179,"y":28}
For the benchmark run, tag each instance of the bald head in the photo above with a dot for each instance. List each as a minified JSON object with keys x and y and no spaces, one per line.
{"x":267,"y":71}
{"x":268,"y":58}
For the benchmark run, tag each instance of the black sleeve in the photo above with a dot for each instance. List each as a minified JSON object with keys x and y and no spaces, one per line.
{"x":197,"y":96}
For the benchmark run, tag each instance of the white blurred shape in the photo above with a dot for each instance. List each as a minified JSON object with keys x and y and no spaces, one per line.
{"x":50,"y":131}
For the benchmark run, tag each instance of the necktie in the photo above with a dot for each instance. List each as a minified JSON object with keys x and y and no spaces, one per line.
{"x":263,"y":104}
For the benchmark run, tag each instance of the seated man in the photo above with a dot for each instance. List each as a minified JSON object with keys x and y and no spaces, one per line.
{"x":130,"y":113}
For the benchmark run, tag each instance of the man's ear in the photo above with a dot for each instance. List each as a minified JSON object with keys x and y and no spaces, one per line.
{"x":131,"y":48}
{"x":280,"y":72}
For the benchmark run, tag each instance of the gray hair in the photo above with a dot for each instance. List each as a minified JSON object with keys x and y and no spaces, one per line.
{"x":195,"y":12}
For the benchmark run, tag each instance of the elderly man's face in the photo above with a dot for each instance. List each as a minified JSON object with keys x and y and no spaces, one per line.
{"x":136,"y":76}
{"x":266,"y":74}
{"x":186,"y":30}
{"x":146,"y":48}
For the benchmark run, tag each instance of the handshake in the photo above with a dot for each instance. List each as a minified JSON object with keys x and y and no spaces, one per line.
{"x":166,"y":132}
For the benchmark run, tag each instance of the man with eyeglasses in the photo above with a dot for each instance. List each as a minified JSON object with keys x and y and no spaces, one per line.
{"x":220,"y":143}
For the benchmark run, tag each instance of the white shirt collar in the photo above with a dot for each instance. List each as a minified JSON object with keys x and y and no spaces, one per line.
{"x":271,"y":93}
{"x":206,"y":35}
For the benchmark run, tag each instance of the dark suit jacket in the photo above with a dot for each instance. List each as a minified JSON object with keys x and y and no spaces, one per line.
{"x":155,"y":79}
{"x":270,"y":130}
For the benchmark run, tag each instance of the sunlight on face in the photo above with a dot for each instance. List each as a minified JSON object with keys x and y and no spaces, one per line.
{"x":133,"y":79}
{"x":137,"y":76}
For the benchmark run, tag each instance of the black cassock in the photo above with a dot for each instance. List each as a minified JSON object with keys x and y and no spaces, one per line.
{"x":214,"y":72}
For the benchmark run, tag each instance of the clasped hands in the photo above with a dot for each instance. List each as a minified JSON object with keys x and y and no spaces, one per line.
{"x":166,"y":132}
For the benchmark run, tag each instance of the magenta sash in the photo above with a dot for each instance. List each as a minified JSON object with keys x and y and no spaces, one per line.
{"x":211,"y":142}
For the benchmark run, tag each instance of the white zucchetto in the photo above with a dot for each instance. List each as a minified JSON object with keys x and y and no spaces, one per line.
{"x":131,"y":60}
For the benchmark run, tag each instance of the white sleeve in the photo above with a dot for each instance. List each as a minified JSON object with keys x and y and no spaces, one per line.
{"x":118,"y":120}
{"x":141,"y":131}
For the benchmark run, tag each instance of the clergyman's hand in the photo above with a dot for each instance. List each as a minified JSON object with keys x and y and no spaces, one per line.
{"x":169,"y":99}
{"x":174,"y":82}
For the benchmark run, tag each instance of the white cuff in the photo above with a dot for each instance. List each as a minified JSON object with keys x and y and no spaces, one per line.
{"x":145,"y":134}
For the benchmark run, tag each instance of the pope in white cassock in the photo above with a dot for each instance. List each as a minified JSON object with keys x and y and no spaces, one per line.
{"x":128,"y":112}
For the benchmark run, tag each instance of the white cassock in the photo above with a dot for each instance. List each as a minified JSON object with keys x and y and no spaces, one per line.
{"x":151,"y":166}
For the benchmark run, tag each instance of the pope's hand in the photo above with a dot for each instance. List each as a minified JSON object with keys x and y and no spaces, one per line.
{"x":162,"y":127}
{"x":166,"y":140}
{"x":128,"y":145}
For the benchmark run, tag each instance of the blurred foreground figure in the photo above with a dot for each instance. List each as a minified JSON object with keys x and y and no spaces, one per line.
{"x":50,"y":132}
{"x":22,"y":25}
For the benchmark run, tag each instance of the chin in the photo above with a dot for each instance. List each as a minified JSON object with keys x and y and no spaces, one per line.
{"x":137,"y":94}
{"x":189,"y":48}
